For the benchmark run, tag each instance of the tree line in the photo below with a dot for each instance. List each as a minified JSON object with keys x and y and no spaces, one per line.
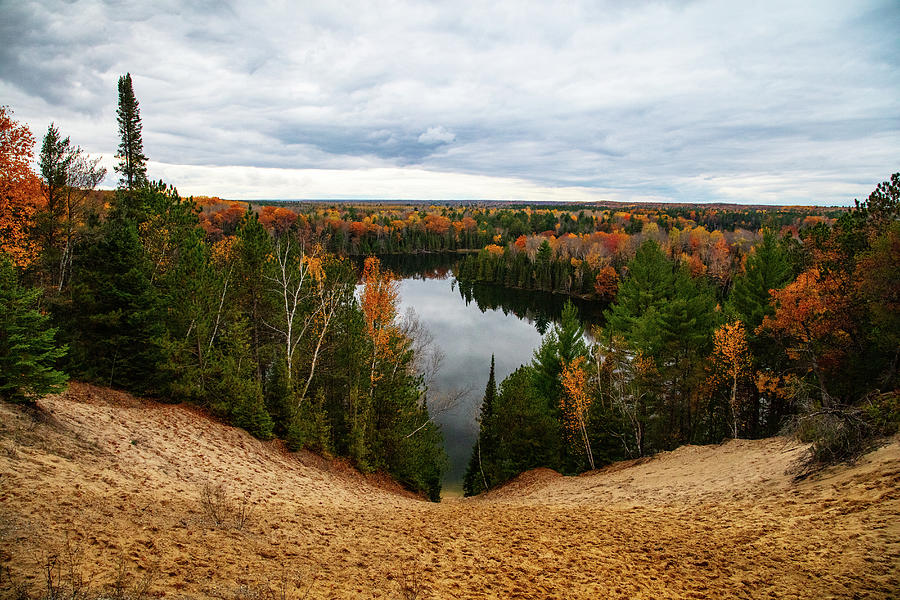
{"x":805,"y":340}
{"x":262,"y":328}
{"x":579,"y":252}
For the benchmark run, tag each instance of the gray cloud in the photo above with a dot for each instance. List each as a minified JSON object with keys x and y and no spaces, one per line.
{"x":789,"y":102}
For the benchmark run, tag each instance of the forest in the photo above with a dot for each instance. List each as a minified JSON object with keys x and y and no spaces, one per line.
{"x":264,"y":330}
{"x":720,"y":321}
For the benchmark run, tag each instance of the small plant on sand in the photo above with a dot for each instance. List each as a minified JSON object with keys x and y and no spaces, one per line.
{"x":409,"y":581}
{"x":127,"y":586}
{"x":285,"y":587}
{"x":60,"y":576}
{"x":223,"y":511}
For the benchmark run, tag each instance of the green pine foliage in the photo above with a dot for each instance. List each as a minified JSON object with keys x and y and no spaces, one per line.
{"x":644,"y":292}
{"x":521,"y":433}
{"x":668,"y":318}
{"x":768,"y":268}
{"x":28,"y":348}
{"x":475,"y":480}
{"x":132,"y":161}
{"x":114,"y":318}
{"x":563,"y":344}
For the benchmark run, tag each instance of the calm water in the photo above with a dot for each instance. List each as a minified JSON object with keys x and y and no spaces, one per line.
{"x":469,"y":323}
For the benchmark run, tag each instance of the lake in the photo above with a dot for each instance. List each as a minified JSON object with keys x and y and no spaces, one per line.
{"x":469,"y":324}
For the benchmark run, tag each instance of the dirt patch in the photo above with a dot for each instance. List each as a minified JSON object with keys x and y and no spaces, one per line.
{"x":122,"y":480}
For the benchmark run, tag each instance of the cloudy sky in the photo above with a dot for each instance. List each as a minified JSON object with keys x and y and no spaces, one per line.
{"x":767,"y":102}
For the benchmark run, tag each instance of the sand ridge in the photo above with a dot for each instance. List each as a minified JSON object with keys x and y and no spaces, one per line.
{"x":123,"y":479}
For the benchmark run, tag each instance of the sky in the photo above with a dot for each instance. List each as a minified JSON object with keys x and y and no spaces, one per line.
{"x":782,"y":102}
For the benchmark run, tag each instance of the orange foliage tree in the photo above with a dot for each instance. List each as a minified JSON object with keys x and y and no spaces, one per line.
{"x":575,"y":403}
{"x":20,"y":190}
{"x":437,"y":224}
{"x":277,"y":219}
{"x":813,"y":321}
{"x":606,"y":284}
{"x":380,"y":297}
{"x":731,"y":363}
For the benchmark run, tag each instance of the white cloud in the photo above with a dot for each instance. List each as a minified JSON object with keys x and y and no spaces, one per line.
{"x":436,"y":135}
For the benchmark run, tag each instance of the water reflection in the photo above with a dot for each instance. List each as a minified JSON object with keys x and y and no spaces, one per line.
{"x":417,"y":266}
{"x":469,"y":324}
{"x":540,"y":309}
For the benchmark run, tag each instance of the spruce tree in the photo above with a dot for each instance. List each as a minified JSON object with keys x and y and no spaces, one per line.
{"x":490,"y":394}
{"x":475,"y":479}
{"x":648,"y":286}
{"x":28,"y":351}
{"x":132,"y":162}
{"x":56,"y":157}
{"x":114,"y":322}
{"x":768,"y":268}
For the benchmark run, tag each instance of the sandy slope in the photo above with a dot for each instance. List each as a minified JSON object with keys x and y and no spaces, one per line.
{"x":121,"y":480}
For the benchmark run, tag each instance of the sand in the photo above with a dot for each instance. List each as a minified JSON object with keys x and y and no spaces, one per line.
{"x":110,"y":482}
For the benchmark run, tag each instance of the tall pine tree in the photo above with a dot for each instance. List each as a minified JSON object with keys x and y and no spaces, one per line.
{"x":475,"y":479}
{"x":132,"y":162}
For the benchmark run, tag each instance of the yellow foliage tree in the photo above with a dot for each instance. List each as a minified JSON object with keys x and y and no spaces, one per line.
{"x":575,"y":403}
{"x":379,"y":300}
{"x":731,"y":358}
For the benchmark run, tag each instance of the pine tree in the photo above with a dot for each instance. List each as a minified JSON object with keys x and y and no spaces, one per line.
{"x":67,"y":177}
{"x":668,"y":317}
{"x":254,"y":247}
{"x":56,"y":157}
{"x":649,"y":284}
{"x":475,"y":480}
{"x":27,"y":347}
{"x":561,"y":346}
{"x":132,"y":162}
{"x":114,"y":321}
{"x":768,"y":268}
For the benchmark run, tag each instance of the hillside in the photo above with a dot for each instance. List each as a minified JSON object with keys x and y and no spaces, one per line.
{"x":108,"y":482}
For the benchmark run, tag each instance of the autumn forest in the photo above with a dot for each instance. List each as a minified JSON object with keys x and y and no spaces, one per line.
{"x":719,"y":321}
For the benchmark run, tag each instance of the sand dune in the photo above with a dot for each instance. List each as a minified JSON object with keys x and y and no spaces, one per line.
{"x":122,"y":480}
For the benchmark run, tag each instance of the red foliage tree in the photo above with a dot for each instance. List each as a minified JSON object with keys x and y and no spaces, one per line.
{"x":20,"y":189}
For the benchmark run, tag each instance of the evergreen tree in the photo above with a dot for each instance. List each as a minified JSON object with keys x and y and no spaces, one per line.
{"x":524,"y":433}
{"x":67,"y":177}
{"x":768,"y":268}
{"x":475,"y":479}
{"x":561,"y":346}
{"x":132,"y":162}
{"x":114,"y":323}
{"x":649,"y":284}
{"x":28,"y":351}
{"x":254,"y":247}
{"x":490,"y":394}
{"x":667,"y":317}
{"x":55,"y":160}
